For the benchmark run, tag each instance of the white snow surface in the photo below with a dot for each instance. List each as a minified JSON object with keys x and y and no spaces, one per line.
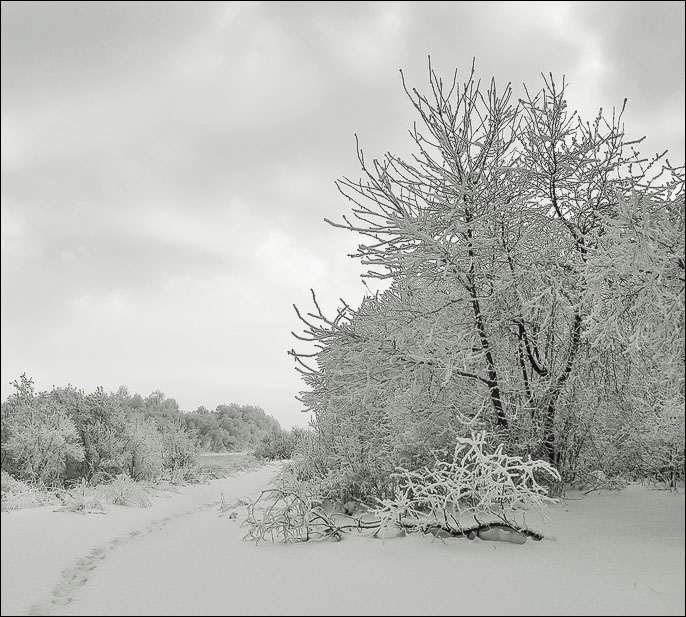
{"x":605,"y":553}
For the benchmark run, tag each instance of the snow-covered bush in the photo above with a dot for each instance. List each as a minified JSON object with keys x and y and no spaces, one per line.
{"x":180,"y":449}
{"x":107,"y":442}
{"x":468,"y":486}
{"x":16,"y":495}
{"x":279,"y":444}
{"x":145,"y":450}
{"x":123,"y":491}
{"x":279,"y":515}
{"x":38,"y":438}
{"x":295,"y":511}
{"x":656,"y":451}
{"x":83,"y":498}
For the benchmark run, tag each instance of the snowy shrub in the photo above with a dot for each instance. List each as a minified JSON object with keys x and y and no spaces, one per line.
{"x":180,"y":448}
{"x":106,"y":445}
{"x":89,"y":498}
{"x":145,"y":449}
{"x":280,"y":514}
{"x":83,"y":498}
{"x":123,"y":491}
{"x":109,"y":444}
{"x":472,"y":484}
{"x":296,"y":512}
{"x":16,"y":495}
{"x":470,"y":487}
{"x":38,"y":437}
{"x":41,"y":444}
{"x":280,"y":445}
{"x":7,"y":482}
{"x":656,"y":452}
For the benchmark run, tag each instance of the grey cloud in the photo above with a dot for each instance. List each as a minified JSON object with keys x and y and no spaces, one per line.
{"x":201,"y":141}
{"x":643,"y":43}
{"x":62,"y":48}
{"x":94,"y":259}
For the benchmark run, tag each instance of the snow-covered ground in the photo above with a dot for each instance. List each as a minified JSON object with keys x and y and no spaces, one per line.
{"x":612,"y":553}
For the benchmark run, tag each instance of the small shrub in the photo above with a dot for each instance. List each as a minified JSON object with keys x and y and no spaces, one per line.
{"x":472,"y":483}
{"x":275,"y":446}
{"x":146,"y":448}
{"x":290,"y":513}
{"x":123,"y":491}
{"x":83,"y":498}
{"x":17,"y":495}
{"x":180,"y":449}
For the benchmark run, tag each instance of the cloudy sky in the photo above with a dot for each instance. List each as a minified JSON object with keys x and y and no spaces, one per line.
{"x":166,"y":167}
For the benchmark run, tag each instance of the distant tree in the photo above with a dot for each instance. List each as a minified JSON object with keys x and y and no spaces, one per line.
{"x":280,"y":444}
{"x":230,"y":427}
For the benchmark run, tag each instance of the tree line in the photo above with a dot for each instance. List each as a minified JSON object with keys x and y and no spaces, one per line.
{"x":66,"y":434}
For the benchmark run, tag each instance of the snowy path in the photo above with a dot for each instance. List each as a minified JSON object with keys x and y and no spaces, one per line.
{"x":615,"y":553}
{"x":47,"y":555}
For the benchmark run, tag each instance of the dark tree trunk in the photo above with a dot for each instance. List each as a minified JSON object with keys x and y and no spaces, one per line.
{"x":549,"y":441}
{"x":493,"y":385}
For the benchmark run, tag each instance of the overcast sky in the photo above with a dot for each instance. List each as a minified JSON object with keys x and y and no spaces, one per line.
{"x":166,"y":166}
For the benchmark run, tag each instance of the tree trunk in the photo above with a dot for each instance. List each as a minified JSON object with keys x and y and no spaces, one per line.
{"x":493,"y":385}
{"x":549,"y":441}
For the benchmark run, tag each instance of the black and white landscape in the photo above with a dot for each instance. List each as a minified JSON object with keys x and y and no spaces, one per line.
{"x":343,"y":308}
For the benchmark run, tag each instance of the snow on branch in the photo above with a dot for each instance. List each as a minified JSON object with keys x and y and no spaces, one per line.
{"x":472,"y":484}
{"x":473,"y":490}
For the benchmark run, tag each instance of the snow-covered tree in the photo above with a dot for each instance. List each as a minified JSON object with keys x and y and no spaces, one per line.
{"x":499,"y":237}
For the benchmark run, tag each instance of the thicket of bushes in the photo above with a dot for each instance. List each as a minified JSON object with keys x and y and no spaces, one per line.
{"x":65,"y":436}
{"x":280,"y":445}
